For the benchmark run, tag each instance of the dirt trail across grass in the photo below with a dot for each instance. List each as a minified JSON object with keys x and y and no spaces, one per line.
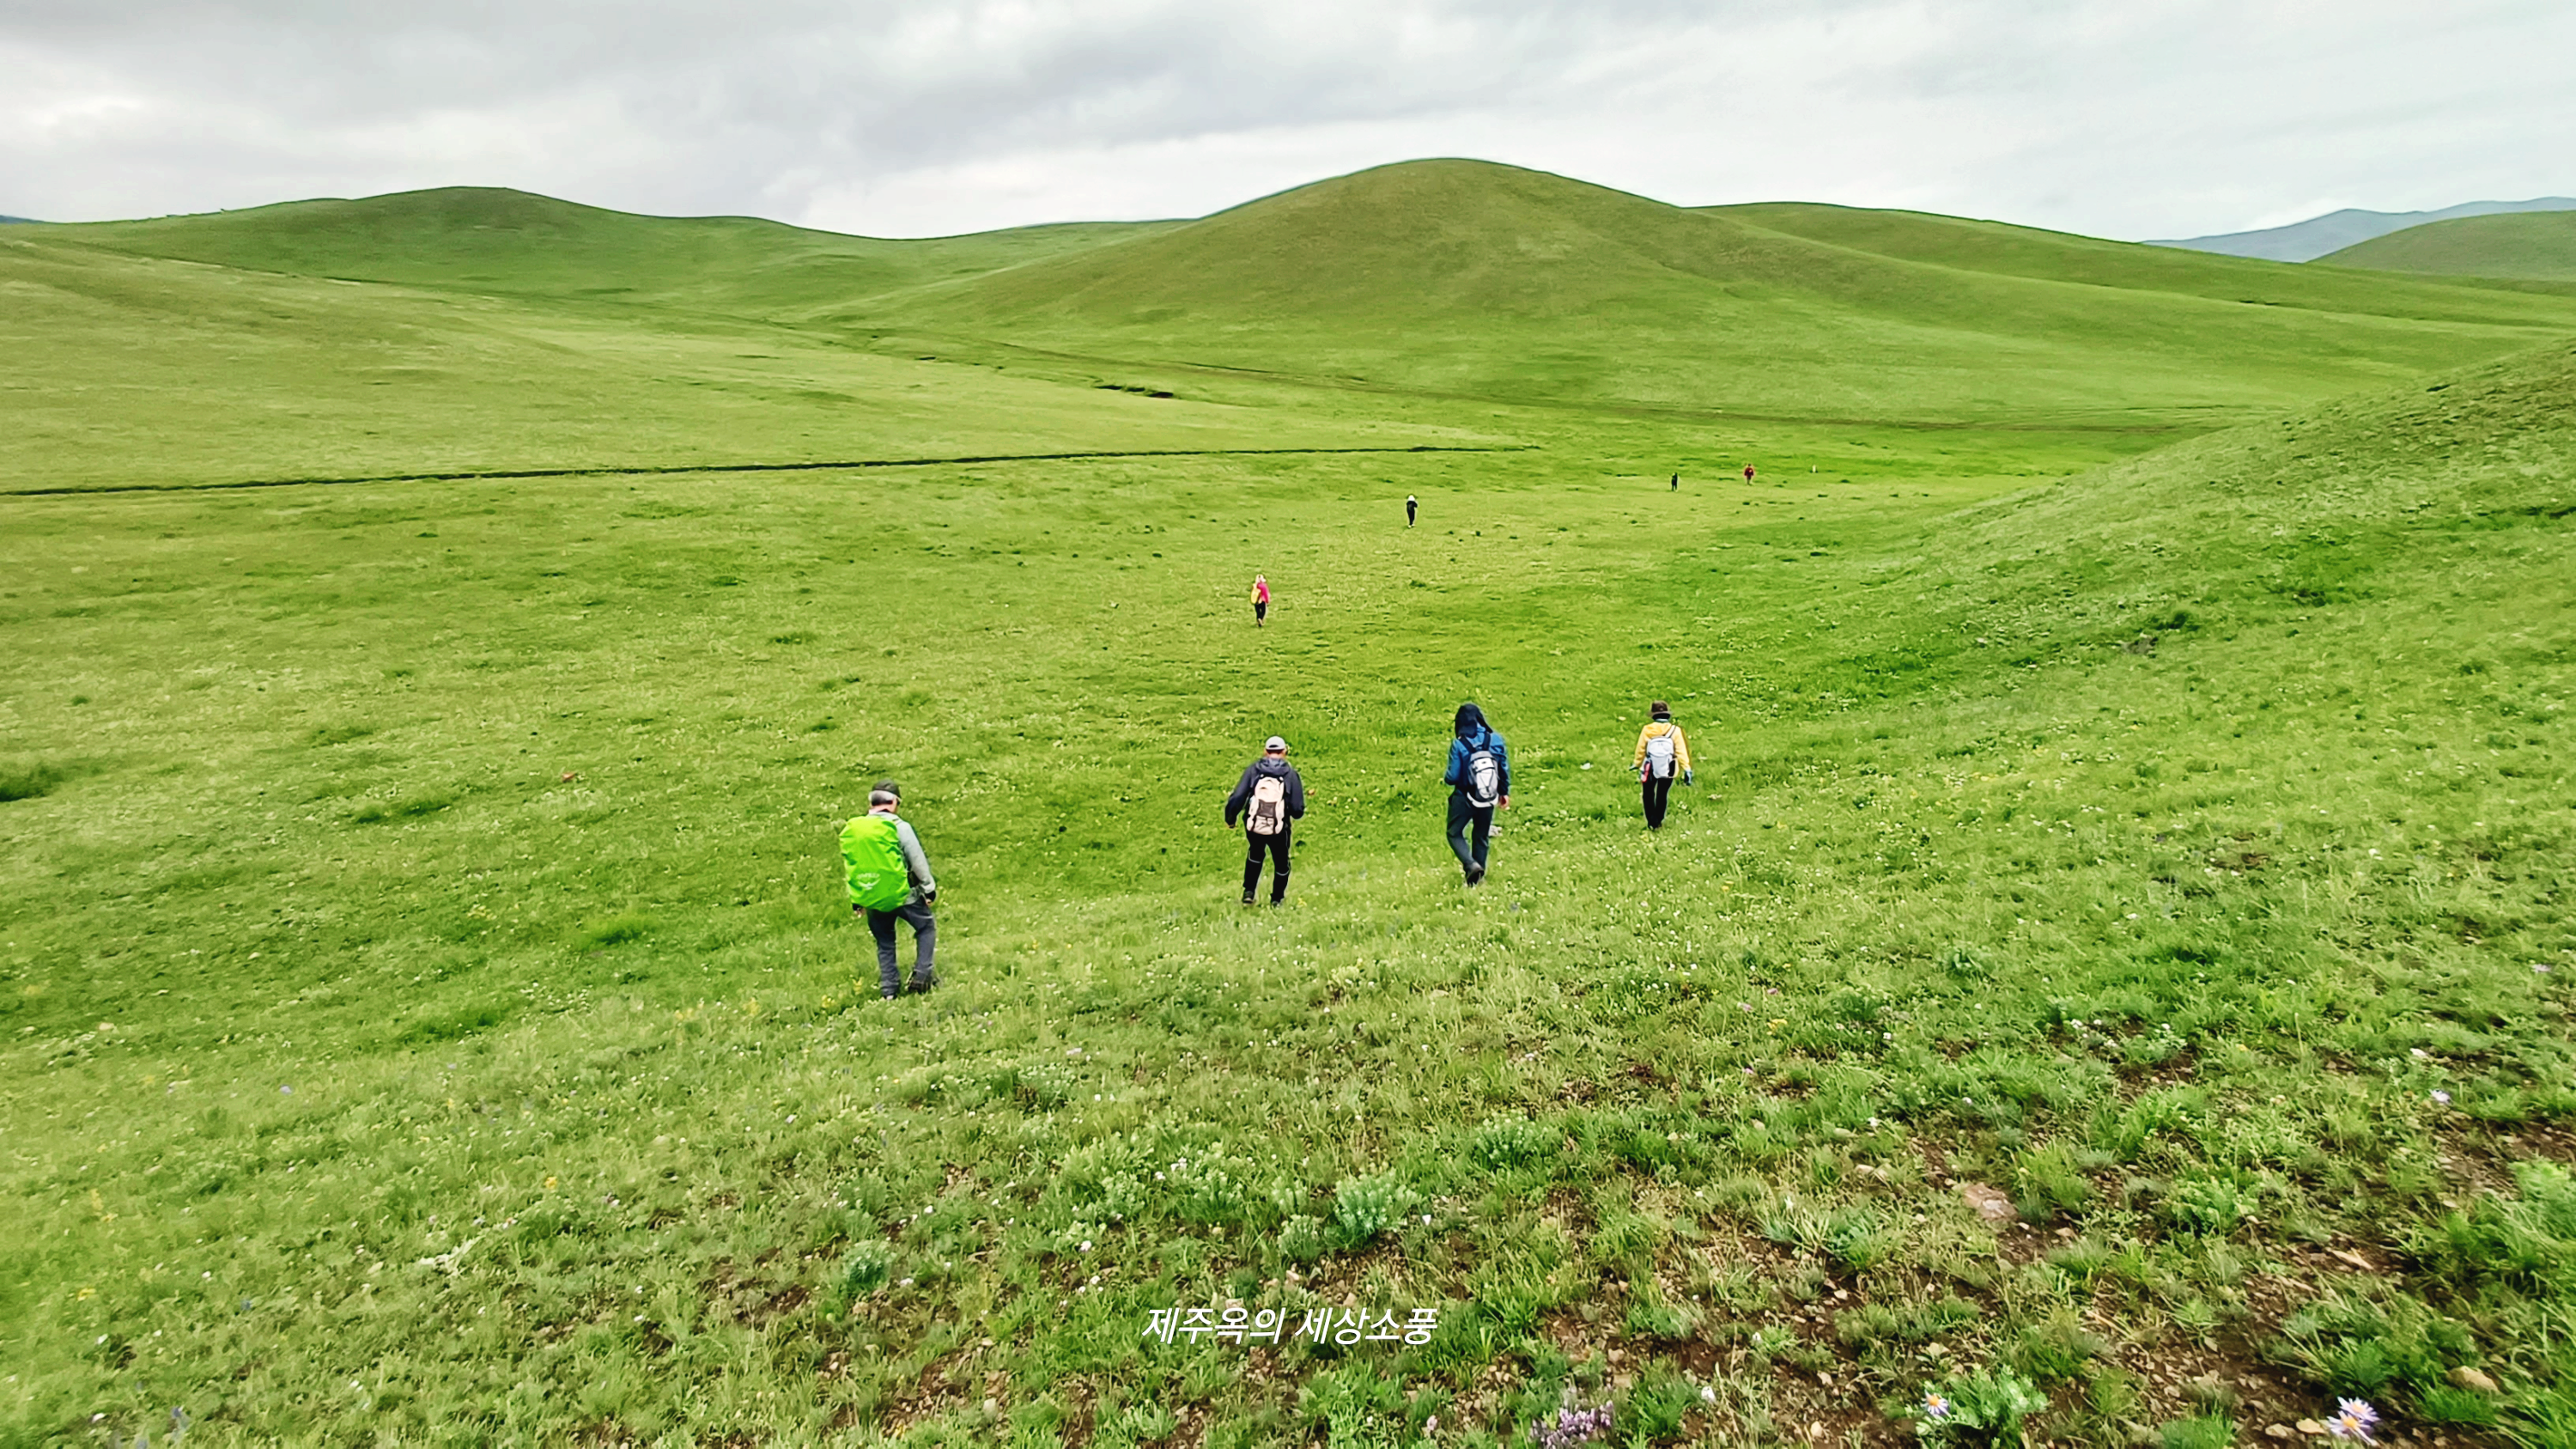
{"x":495,"y":474}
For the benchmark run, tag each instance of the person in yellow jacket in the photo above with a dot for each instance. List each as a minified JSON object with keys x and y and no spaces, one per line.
{"x":1662,"y":753}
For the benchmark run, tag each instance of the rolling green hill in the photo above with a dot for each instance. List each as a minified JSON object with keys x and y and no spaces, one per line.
{"x":144,"y":370}
{"x":491,"y":239}
{"x":2532,"y":246}
{"x":1459,"y":279}
{"x":1473,"y":279}
{"x":2002,"y":249}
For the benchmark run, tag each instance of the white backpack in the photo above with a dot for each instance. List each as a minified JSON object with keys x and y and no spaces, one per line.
{"x":1269,"y":814}
{"x":1483,"y":776}
{"x":1659,"y":755}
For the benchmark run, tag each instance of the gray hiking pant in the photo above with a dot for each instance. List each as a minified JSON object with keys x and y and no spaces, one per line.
{"x":925,"y":941}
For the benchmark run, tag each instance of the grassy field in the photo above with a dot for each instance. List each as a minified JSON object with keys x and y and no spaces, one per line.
{"x":431,"y":1013}
{"x":2534,"y":246}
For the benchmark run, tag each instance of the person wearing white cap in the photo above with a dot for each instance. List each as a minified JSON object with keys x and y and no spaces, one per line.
{"x":1269,"y":799}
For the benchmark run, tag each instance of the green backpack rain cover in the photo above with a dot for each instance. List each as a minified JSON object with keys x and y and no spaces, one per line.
{"x":874,"y":857}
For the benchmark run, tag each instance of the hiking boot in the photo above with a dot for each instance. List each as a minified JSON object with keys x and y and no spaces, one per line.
{"x":1475,"y":875}
{"x":1247,"y":898}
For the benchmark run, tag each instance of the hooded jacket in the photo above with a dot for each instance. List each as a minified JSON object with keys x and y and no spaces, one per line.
{"x":1474,"y":734}
{"x":1241,"y":800}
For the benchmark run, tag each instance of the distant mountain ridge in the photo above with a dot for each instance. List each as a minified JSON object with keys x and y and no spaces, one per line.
{"x":20,"y":220}
{"x":2305,"y":241}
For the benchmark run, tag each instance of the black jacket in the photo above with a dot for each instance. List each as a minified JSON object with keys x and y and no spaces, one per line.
{"x":1241,"y":800}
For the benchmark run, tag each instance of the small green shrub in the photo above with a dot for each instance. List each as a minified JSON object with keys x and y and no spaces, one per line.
{"x":1858,"y":1239}
{"x":2202,"y":1431}
{"x":1205,"y":1191}
{"x":2364,"y":1347}
{"x":2526,"y":1242}
{"x":1356,"y":1406}
{"x":1506,"y":1142}
{"x":1656,"y":1409}
{"x":1303,"y":1239}
{"x":2449,"y":1404}
{"x":1651,"y":1315}
{"x":2055,"y":1350}
{"x":1037,"y":1088}
{"x":616,"y":931}
{"x":867,"y":1267}
{"x":26,"y":782}
{"x":2048,"y":1182}
{"x":412,"y":809}
{"x":1366,"y":1206}
{"x":2215,"y":1205}
{"x":1897,"y":1324}
{"x":1144,"y":1423}
{"x":1986,"y":1407}
{"x":433,"y":1027}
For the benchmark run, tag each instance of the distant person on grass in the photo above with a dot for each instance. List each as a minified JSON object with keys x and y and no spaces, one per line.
{"x":1269,"y":799}
{"x":1661,"y":754}
{"x":1748,"y":473}
{"x":1260,"y":600}
{"x":1412,"y":505}
{"x":890,"y":881}
{"x":1677,"y":482}
{"x":1480,"y":782}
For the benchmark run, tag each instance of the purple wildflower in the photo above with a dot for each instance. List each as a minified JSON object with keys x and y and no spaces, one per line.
{"x":2353,"y":1419}
{"x":1573,"y":1426}
{"x":1935,"y":1406}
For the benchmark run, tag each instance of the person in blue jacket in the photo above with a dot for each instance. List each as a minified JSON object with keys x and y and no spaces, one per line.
{"x":1480,"y":782}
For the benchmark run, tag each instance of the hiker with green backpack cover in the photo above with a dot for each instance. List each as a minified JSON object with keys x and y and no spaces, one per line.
{"x":890,"y":881}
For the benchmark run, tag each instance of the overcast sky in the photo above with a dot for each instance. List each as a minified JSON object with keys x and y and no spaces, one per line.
{"x":2121,"y":118}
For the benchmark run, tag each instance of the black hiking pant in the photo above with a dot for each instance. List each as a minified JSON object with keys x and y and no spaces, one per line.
{"x":925,"y":941}
{"x":1470,"y":827}
{"x":1275,"y":847}
{"x":1659,"y":791}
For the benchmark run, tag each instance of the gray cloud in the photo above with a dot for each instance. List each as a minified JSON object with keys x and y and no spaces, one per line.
{"x":2161,"y":117}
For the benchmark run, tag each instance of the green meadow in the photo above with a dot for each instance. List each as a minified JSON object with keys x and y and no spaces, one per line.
{"x":2105,"y":984}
